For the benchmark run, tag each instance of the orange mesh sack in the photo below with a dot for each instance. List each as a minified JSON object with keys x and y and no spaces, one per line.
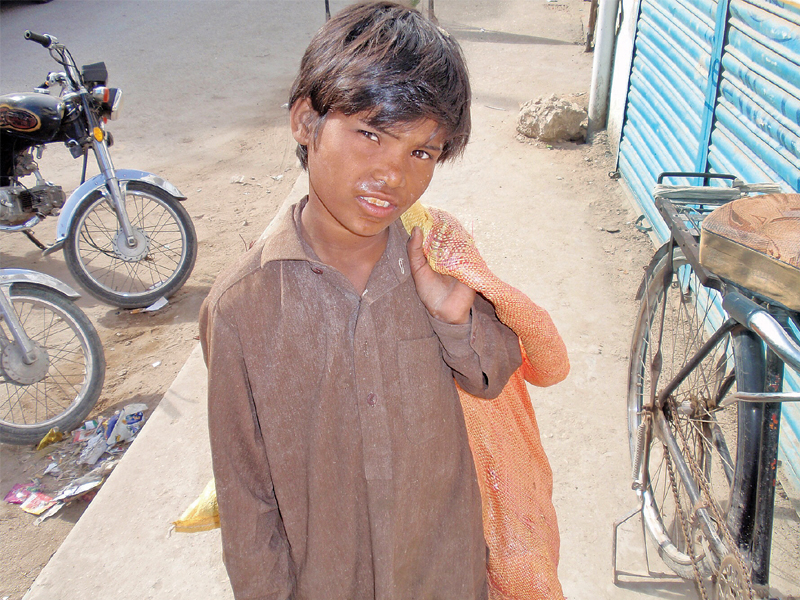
{"x":516,"y":482}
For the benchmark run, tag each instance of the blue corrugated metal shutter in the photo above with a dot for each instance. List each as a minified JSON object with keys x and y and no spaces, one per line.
{"x":669,"y":78}
{"x":758,"y":108}
{"x":716,"y":86}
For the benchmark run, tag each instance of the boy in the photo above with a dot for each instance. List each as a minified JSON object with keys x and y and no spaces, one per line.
{"x":340,"y":452}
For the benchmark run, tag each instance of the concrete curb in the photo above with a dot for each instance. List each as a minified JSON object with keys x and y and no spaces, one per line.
{"x":121,"y":547}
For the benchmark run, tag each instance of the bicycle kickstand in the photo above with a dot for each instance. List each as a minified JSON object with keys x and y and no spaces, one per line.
{"x":617,"y":524}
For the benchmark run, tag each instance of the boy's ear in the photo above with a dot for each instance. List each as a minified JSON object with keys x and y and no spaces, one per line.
{"x":302,"y":117}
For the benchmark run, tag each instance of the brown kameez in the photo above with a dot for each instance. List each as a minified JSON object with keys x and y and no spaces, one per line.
{"x":340,"y":453}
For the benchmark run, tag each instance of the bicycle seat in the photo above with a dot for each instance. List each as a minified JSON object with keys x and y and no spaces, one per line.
{"x":754,"y":242}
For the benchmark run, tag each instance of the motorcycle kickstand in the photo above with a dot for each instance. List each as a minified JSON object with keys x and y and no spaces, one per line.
{"x":34,"y":239}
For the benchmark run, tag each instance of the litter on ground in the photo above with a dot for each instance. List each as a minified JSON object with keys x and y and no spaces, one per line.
{"x":77,"y":463}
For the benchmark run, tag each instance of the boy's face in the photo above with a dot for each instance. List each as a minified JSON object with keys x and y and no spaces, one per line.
{"x":364,"y":177}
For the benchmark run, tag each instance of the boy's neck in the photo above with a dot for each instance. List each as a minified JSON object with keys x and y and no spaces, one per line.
{"x":352,"y":255}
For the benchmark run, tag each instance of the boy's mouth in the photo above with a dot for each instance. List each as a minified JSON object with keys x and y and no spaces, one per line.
{"x":375,"y":201}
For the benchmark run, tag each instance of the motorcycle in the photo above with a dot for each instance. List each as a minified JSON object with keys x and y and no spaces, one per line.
{"x":52,"y":364}
{"x":126,"y":237}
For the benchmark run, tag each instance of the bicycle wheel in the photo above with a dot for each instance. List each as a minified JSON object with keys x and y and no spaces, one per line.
{"x":705,"y":433}
{"x":160,"y":262}
{"x":66,"y":377}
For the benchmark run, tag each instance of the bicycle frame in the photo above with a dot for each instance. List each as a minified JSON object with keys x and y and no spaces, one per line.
{"x":752,"y":482}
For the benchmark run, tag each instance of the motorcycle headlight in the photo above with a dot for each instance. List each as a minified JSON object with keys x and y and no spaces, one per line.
{"x":110,"y":100}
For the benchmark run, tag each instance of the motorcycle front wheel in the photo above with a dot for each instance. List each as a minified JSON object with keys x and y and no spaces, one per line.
{"x":62,"y":384}
{"x":159,"y":262}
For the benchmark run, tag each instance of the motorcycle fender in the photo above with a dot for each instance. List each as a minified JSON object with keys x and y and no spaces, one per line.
{"x":98,"y":182}
{"x":11,"y":276}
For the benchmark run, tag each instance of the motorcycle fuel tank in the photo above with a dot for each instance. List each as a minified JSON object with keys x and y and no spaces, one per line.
{"x":33,"y":117}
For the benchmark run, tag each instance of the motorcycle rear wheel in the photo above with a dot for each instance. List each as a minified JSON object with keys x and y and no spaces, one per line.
{"x":64,"y":387}
{"x":161,"y":261}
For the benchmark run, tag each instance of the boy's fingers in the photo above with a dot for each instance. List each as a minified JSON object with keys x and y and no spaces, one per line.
{"x":446,"y":298}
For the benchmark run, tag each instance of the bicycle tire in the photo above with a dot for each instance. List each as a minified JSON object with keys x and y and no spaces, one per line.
{"x":689,"y":320}
{"x":132,"y":278}
{"x":75,"y":367}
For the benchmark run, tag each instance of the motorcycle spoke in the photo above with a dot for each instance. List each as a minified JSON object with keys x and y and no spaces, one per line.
{"x":66,"y":374}
{"x":153,"y":225}
{"x":32,"y":404}
{"x":13,"y":400}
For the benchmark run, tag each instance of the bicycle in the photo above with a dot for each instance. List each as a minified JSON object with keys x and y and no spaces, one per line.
{"x":704,"y":401}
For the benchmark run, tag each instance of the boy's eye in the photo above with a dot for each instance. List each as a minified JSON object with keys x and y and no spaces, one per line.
{"x":369,"y":135}
{"x":421,"y":154}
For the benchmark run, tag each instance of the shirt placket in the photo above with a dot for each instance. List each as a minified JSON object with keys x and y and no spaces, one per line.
{"x":377,"y":446}
{"x":372,"y":407}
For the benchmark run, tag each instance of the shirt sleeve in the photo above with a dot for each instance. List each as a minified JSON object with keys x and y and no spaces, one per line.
{"x":254,"y":542}
{"x":483,"y":353}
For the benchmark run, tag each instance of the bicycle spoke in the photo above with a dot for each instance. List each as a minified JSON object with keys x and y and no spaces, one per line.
{"x":674,"y":324}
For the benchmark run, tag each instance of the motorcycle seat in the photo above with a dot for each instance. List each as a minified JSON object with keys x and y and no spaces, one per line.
{"x":754,"y":242}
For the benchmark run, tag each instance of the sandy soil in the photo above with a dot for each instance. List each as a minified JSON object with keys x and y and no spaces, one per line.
{"x":232,"y":155}
{"x":206,"y":113}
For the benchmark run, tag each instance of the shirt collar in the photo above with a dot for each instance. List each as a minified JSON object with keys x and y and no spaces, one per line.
{"x":284,"y":242}
{"x":282,"y":237}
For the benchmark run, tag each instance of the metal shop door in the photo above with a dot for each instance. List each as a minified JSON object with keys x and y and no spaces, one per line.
{"x":757,"y":111}
{"x":663,"y":127}
{"x":756,"y":127}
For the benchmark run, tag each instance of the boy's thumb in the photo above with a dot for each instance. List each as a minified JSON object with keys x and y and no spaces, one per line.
{"x":415,"y":254}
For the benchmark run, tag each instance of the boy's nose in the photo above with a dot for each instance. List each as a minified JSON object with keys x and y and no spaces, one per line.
{"x":390,"y":172}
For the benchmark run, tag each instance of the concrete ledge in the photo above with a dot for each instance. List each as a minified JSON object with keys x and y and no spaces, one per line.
{"x":122,"y":548}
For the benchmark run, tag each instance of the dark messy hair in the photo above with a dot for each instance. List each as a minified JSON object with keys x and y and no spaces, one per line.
{"x":392,"y":64}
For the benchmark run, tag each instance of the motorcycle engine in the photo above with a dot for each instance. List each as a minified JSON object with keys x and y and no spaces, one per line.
{"x":18,"y":204}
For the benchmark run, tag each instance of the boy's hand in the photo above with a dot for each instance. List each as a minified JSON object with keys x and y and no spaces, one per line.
{"x":446,"y":298}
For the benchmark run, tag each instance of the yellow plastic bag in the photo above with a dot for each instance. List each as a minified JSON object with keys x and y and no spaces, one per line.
{"x":53,"y":436}
{"x":202,"y":514}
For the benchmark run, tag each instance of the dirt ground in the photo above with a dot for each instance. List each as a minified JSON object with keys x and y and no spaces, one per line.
{"x":204,"y":110}
{"x":232,"y":155}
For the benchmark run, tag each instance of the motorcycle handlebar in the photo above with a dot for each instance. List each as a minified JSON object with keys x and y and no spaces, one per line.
{"x":44,"y":40}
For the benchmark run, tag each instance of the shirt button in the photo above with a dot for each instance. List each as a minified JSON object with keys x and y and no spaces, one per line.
{"x":316,"y":270}
{"x":371,"y":399}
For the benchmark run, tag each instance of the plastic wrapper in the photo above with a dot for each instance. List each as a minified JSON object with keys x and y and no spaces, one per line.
{"x":124,"y":426}
{"x":84,"y":432}
{"x":94,"y":449}
{"x":20,"y":492}
{"x":49,"y":513}
{"x":54,"y":435}
{"x":37,"y":503}
{"x":53,"y":469}
{"x":202,"y":514}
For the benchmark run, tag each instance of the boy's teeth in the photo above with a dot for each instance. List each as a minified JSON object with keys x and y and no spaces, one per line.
{"x":376,"y":202}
